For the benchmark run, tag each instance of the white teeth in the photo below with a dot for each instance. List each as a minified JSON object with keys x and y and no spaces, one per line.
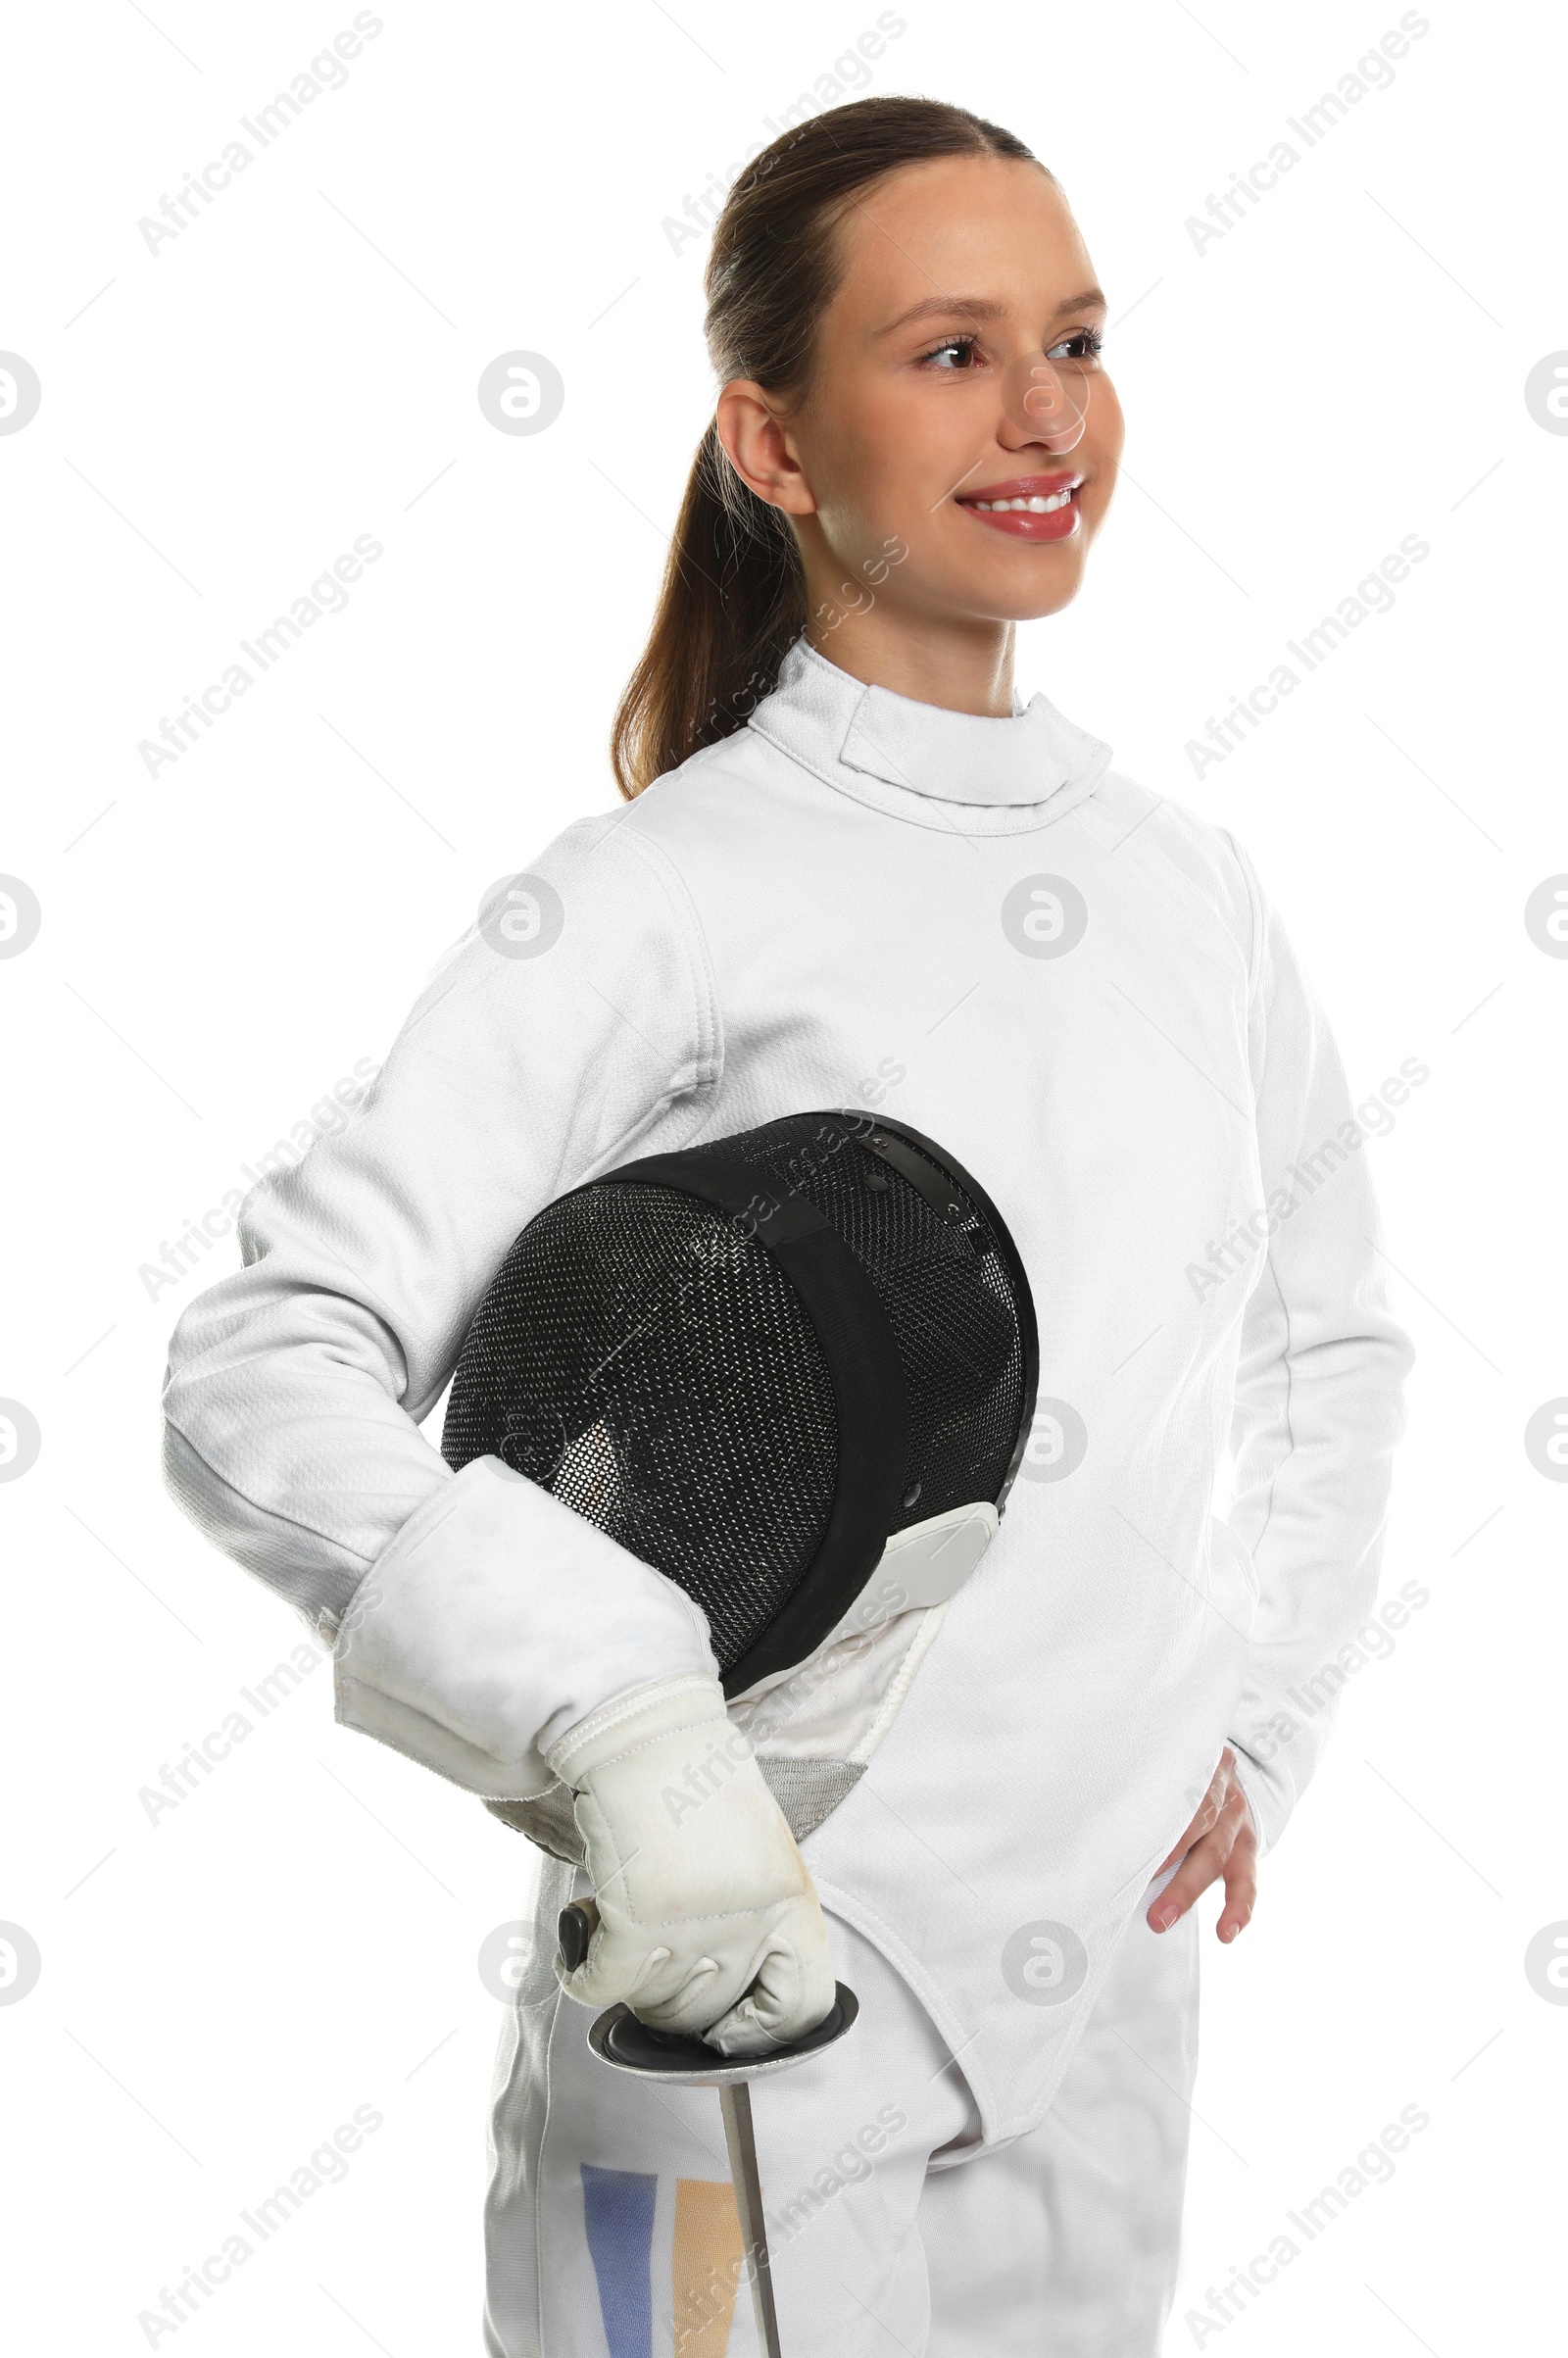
{"x":1033,"y":507}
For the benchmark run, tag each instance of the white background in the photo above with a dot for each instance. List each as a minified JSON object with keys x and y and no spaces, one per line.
{"x":220,"y":943}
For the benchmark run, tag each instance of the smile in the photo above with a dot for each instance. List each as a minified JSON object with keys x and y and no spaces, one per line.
{"x":1034,"y":507}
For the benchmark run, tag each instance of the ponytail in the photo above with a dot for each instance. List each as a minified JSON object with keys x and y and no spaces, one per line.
{"x":732,"y":601}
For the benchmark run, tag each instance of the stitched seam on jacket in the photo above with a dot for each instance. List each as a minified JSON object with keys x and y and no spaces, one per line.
{"x":1289,"y":1451}
{"x":1255,"y":986}
{"x":284,"y":1522}
{"x":892,"y":807}
{"x":704,"y":972}
{"x":1256,"y":964}
{"x":1254,"y":955}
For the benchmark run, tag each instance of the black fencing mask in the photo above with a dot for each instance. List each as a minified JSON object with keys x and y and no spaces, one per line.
{"x":753,"y":1361}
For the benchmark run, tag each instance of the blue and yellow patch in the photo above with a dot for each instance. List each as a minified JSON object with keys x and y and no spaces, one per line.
{"x":706,"y":2262}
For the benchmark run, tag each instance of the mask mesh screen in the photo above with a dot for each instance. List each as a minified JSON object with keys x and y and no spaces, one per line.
{"x":649,"y":1362}
{"x":653,"y":1367}
{"x":949,"y":1299}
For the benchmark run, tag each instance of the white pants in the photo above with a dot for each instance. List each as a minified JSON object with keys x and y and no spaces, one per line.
{"x":610,"y":2226}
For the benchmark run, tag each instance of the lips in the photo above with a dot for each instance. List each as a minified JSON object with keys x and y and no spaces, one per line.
{"x":1035,"y":507}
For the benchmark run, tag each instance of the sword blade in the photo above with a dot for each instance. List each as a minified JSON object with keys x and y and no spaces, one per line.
{"x":735,"y":2102}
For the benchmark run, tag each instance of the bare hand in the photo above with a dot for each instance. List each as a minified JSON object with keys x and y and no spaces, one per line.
{"x":1221,"y":1841}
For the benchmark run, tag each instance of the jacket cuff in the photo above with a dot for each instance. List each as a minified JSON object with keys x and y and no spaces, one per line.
{"x":629,"y":1720}
{"x":1269,"y":1805}
{"x":493,"y":1622}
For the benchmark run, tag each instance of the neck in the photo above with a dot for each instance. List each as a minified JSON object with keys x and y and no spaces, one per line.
{"x":967,"y":667}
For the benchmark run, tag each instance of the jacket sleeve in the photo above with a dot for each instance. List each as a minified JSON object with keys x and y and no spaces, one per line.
{"x":474,"y":1618}
{"x":1319,"y":1385}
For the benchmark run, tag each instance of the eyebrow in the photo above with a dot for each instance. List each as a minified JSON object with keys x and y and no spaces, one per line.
{"x":982,"y":307}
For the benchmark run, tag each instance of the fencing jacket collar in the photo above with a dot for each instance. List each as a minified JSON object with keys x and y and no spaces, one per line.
{"x":913,"y":758}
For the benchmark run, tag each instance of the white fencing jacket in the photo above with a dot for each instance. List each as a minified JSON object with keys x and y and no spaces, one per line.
{"x":1075,"y":986}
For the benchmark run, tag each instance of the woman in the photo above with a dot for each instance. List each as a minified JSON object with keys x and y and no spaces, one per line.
{"x":854,"y":867}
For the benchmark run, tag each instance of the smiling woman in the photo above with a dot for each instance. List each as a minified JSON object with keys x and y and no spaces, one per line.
{"x":850,"y":859}
{"x":874,"y":383}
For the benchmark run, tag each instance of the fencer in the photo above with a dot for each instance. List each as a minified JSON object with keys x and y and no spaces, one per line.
{"x":846,"y":873}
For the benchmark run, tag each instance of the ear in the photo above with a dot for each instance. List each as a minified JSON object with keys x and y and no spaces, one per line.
{"x":760,"y":447}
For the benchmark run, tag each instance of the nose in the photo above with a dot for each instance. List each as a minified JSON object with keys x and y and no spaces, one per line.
{"x":1041,"y":403}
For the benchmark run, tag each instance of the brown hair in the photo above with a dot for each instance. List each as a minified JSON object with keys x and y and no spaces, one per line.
{"x":733,"y":596}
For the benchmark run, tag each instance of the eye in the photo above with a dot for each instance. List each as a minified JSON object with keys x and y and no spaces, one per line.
{"x":968,"y":345}
{"x":1090,"y":342}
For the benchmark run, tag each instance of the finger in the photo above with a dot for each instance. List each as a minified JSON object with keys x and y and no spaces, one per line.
{"x":742,"y":2033}
{"x":1241,"y":1886}
{"x":1203,"y":1864}
{"x":1203,"y":1818}
{"x":618,"y":1972}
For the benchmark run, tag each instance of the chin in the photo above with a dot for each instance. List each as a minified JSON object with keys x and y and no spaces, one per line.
{"x":1018,"y":603}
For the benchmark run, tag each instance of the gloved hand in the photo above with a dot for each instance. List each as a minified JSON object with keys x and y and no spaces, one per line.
{"x":709,"y":1922}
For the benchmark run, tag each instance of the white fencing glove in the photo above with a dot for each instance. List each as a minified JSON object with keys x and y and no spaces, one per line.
{"x":709,"y":1921}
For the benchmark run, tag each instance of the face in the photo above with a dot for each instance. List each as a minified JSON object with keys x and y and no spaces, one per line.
{"x":958,"y":370}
